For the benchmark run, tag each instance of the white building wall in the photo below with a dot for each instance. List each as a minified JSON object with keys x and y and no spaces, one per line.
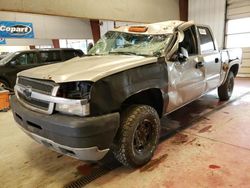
{"x":49,"y":27}
{"x":209,"y":12}
{"x":120,"y":10}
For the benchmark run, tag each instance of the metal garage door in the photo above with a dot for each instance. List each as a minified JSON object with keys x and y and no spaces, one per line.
{"x":238,"y":31}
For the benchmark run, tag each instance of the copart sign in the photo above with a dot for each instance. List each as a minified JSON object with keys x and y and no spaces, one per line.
{"x":9,"y":29}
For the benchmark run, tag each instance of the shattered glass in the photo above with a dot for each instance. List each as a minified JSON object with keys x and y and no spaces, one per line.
{"x":115,"y":42}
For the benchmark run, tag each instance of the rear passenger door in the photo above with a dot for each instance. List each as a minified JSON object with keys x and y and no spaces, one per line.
{"x":210,"y":57}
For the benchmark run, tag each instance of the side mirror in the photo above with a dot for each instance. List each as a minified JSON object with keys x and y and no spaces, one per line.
{"x":13,"y":63}
{"x":183,"y":55}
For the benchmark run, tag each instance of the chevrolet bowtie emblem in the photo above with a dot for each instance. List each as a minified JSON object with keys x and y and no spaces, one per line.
{"x":27,"y":92}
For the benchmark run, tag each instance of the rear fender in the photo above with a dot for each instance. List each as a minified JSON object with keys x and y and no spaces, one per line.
{"x":231,"y":66}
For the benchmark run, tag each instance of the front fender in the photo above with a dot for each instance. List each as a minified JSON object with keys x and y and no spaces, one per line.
{"x":108,"y":93}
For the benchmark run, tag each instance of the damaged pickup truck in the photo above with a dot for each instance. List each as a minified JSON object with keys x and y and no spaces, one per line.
{"x":113,"y":99}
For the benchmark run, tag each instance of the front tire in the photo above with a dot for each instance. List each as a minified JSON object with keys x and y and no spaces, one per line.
{"x":137,"y":136}
{"x":225,"y":90}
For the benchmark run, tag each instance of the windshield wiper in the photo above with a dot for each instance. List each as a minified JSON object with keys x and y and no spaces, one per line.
{"x":94,"y":54}
{"x":125,"y":53}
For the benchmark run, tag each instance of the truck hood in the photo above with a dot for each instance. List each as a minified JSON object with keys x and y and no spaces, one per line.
{"x":88,"y":68}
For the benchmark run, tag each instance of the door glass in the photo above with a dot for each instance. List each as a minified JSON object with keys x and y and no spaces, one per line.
{"x":206,"y":40}
{"x":50,"y":56}
{"x":44,"y":56}
{"x":189,"y":42}
{"x":31,"y":58}
{"x":21,"y":59}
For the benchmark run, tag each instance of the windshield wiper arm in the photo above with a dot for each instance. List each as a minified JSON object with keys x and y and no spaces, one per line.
{"x":126,"y":53}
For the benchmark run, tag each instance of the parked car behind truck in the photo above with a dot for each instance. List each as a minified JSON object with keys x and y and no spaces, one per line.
{"x":15,"y":62}
{"x":114,"y":98}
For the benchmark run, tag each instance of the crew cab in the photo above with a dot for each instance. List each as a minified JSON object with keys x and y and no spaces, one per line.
{"x":18,"y":61}
{"x":113,"y":99}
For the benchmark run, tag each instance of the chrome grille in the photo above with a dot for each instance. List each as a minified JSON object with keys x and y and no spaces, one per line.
{"x":45,"y":87}
{"x":33,"y":102}
{"x":27,"y":87}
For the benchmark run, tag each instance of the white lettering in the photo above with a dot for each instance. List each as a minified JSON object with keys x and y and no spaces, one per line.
{"x":2,"y":28}
{"x":15,"y":29}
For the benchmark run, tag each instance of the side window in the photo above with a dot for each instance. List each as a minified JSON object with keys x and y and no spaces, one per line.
{"x":44,"y":56}
{"x":69,"y":54}
{"x":206,"y":40}
{"x":50,"y":56}
{"x":21,"y":59}
{"x":26,"y":59}
{"x":55,"y":56}
{"x":31,"y":58}
{"x":189,"y":42}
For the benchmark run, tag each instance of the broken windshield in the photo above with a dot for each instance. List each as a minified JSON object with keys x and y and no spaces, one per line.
{"x":115,"y":42}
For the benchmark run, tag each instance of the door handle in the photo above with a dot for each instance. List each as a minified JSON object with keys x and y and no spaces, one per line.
{"x":199,"y":65}
{"x":216,"y":60}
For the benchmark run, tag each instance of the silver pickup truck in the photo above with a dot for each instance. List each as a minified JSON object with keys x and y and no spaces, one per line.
{"x":113,"y":98}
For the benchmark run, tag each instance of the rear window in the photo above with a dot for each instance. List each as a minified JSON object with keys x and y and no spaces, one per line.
{"x":206,"y":40}
{"x":51,"y":56}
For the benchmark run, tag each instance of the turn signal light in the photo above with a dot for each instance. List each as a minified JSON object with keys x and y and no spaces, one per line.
{"x":139,"y":29}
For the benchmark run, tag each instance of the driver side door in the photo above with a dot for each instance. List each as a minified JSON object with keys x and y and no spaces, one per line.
{"x":186,"y":75}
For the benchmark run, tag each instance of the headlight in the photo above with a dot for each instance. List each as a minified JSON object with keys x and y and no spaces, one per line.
{"x":78,"y":95}
{"x":76,"y":109}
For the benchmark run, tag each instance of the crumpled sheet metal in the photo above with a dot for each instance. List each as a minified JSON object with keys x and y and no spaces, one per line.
{"x":185,"y":84}
{"x":109,"y":93}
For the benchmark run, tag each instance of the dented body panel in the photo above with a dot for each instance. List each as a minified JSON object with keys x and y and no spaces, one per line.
{"x":185,"y":83}
{"x":109,"y":93}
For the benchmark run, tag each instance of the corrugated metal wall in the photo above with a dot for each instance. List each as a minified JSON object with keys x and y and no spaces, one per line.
{"x":209,"y":12}
{"x":237,"y":9}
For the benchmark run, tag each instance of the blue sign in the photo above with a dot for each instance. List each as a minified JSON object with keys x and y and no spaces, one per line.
{"x":10,"y":29}
{"x":2,"y":41}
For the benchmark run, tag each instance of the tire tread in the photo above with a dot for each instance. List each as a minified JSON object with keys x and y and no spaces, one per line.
{"x":128,"y":117}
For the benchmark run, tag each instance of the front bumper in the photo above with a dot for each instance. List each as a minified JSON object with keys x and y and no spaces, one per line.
{"x":85,"y":138}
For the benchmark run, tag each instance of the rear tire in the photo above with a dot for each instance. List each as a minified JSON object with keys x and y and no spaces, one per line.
{"x":225,"y":90}
{"x":138,"y":135}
